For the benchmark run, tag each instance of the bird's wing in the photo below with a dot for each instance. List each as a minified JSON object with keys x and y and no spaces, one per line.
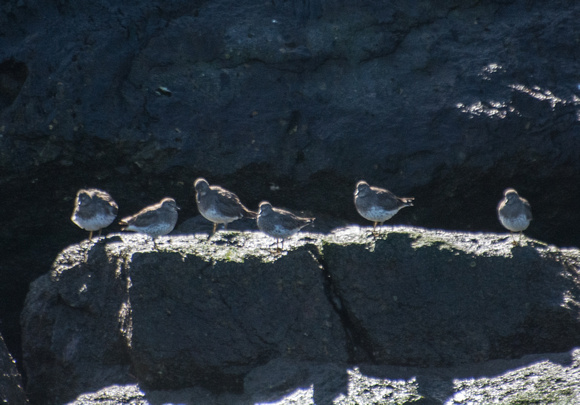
{"x":291,"y":221}
{"x":142,"y":218}
{"x":230,"y":204}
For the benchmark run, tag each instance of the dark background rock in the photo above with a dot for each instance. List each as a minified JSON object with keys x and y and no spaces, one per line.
{"x":288,"y":101}
{"x":11,"y":391}
{"x":220,"y":314}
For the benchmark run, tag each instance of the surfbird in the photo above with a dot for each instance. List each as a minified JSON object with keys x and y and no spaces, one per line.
{"x":94,"y":210}
{"x":378,"y":204}
{"x":278,"y":223}
{"x":514,"y":213}
{"x":219,"y":205}
{"x":154,"y":220}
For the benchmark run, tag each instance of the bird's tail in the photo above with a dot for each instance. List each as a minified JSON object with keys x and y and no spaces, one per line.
{"x":307,"y":221}
{"x":248,"y":214}
{"x":123,"y":223}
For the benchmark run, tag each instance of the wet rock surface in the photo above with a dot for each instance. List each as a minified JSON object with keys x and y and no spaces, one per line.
{"x":228,"y":319}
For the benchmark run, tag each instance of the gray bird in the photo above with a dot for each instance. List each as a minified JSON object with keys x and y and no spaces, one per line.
{"x":219,"y":205}
{"x":377,"y":204}
{"x":278,"y":223}
{"x":514,"y":212}
{"x":154,"y":220}
{"x":94,"y":210}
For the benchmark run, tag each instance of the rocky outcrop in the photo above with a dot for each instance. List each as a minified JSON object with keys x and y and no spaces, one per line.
{"x":229,"y":317}
{"x":11,"y":391}
{"x":196,"y":312}
{"x":288,"y":101}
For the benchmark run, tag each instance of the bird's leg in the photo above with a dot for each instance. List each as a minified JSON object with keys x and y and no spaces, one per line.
{"x":90,"y":236}
{"x":521,"y":234}
{"x":100,"y":230}
{"x":513,"y":239}
{"x":225,"y":226}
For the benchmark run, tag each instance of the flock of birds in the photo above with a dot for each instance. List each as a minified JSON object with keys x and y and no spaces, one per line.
{"x":95,"y":210}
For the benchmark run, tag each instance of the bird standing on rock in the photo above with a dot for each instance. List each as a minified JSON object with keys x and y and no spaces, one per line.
{"x":154,"y":220}
{"x":94,"y":210}
{"x":278,"y":223}
{"x":378,"y":204}
{"x":514,"y":213}
{"x":218,"y":205}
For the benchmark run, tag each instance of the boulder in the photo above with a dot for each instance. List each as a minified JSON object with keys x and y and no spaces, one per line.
{"x":73,"y":326}
{"x":193,"y":312}
{"x":433,"y":298}
{"x":11,"y":391}
{"x":229,"y":316}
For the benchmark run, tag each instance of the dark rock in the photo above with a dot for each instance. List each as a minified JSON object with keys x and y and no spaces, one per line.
{"x":217,"y":313}
{"x":229,"y":317}
{"x":11,"y":391}
{"x":428,"y":298}
{"x":73,"y":323}
{"x":196,"y":312}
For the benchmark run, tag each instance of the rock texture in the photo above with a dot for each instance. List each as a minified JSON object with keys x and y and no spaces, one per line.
{"x":226,"y":316}
{"x":196,"y":312}
{"x":428,"y":298}
{"x":287,"y":101}
{"x":535,"y":379}
{"x":11,"y":391}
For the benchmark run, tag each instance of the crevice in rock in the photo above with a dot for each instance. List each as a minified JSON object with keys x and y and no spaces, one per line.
{"x":359,"y":345}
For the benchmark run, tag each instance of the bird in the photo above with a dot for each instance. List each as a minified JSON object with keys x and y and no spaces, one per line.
{"x":514,"y":213}
{"x":94,"y":210}
{"x":219,"y":205}
{"x":279,"y":223}
{"x":378,"y":204}
{"x":154,"y":220}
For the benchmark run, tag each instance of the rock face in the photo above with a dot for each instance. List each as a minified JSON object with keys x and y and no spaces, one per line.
{"x":11,"y":391}
{"x":287,"y":101}
{"x":225,"y":313}
{"x":442,"y":298}
{"x":194,"y":313}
